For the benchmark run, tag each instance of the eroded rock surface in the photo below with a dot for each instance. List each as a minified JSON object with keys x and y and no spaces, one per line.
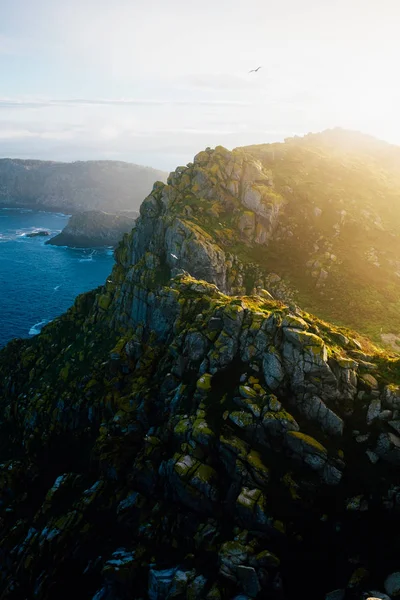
{"x":182,"y":433}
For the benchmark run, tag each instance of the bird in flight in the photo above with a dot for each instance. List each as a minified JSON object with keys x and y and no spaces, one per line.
{"x":255,"y":70}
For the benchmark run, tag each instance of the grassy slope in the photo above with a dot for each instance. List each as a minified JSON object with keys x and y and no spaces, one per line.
{"x":339,"y":171}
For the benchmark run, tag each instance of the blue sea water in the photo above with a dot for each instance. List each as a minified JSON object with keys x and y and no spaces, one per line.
{"x":38,"y":282}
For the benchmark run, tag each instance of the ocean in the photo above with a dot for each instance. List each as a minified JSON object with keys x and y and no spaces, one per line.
{"x":39,"y":282}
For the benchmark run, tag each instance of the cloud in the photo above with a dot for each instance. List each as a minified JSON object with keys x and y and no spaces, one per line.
{"x":12,"y":45}
{"x":223,"y":81}
{"x":23,"y":134}
{"x":163,"y":148}
{"x":7,"y":103}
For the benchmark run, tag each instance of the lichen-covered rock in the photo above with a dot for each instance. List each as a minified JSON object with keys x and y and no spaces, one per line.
{"x":173,"y":437}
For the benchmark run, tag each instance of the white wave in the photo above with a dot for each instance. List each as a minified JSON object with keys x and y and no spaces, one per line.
{"x":90,"y":257}
{"x":37,"y":327}
{"x":20,"y":210}
{"x":57,"y":287}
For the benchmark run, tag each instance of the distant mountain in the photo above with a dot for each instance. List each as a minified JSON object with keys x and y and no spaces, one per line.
{"x":70,"y":187}
{"x":95,"y":228}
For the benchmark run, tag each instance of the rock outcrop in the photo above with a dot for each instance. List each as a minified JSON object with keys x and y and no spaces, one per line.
{"x":187,"y":431}
{"x":41,"y":233}
{"x":94,"y":228}
{"x":70,"y":187}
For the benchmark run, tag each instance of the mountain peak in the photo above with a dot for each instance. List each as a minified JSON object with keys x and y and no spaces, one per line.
{"x":187,"y":430}
{"x":313,"y":223}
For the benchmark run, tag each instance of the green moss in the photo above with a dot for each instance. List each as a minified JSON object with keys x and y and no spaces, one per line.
{"x":235,"y":444}
{"x":204,"y":383}
{"x":205,"y":473}
{"x":182,"y":428}
{"x":309,"y":441}
{"x":201,"y":431}
{"x":104,"y":301}
{"x":268,"y":558}
{"x":65,"y":372}
{"x":255,"y":461}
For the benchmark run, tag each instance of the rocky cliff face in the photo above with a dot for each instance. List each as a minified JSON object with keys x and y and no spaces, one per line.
{"x":79,"y":186}
{"x":182,"y":432}
{"x":94,"y":228}
{"x":310,"y":220}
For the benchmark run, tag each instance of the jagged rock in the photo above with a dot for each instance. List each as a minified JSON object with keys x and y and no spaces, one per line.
{"x":315,"y":409}
{"x":388,"y":448}
{"x":93,"y":228}
{"x":392,"y":585}
{"x":307,"y":449}
{"x":372,"y":456}
{"x":166,"y":421}
{"x":374,"y":410}
{"x":160,"y":583}
{"x":376,"y":596}
{"x":357,"y":503}
{"x":273,"y":369}
{"x":386,"y":415}
{"x":249,"y":581}
{"x":369,"y":380}
{"x":391,"y":396}
{"x":395,"y":425}
{"x":251,"y":509}
{"x":120,"y":566}
{"x":41,"y":233}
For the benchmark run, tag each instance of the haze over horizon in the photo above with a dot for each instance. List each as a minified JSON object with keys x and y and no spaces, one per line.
{"x":153,"y":84}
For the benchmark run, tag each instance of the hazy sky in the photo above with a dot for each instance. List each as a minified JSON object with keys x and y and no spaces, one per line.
{"x":155,"y":81}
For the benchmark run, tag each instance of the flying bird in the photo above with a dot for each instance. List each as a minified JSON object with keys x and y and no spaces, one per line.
{"x":255,"y":70}
{"x":174,"y":256}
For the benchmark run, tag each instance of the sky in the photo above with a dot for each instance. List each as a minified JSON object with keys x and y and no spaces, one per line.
{"x":156,"y":81}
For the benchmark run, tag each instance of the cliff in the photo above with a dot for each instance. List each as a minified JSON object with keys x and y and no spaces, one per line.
{"x":94,"y":228}
{"x":78,"y":186}
{"x":187,"y":431}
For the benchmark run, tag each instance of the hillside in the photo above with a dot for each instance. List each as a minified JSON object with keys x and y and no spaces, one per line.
{"x":78,"y":186}
{"x":186,"y":430}
{"x":94,"y":228}
{"x":337,"y":237}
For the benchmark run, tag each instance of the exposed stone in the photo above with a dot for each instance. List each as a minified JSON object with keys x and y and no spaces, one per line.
{"x":201,"y":422}
{"x":374,"y":410}
{"x":388,"y":448}
{"x":249,"y":581}
{"x":392,"y":585}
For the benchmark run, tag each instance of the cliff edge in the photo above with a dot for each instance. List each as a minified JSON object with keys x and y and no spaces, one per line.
{"x":187,"y":431}
{"x":90,"y":229}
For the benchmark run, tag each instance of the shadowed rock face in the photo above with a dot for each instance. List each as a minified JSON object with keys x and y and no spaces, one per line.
{"x":41,"y":233}
{"x":70,"y":187}
{"x":94,"y":228}
{"x":180,"y":433}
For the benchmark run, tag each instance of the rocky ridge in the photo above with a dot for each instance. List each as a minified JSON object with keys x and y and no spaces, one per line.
{"x":94,"y":228}
{"x":187,"y":431}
